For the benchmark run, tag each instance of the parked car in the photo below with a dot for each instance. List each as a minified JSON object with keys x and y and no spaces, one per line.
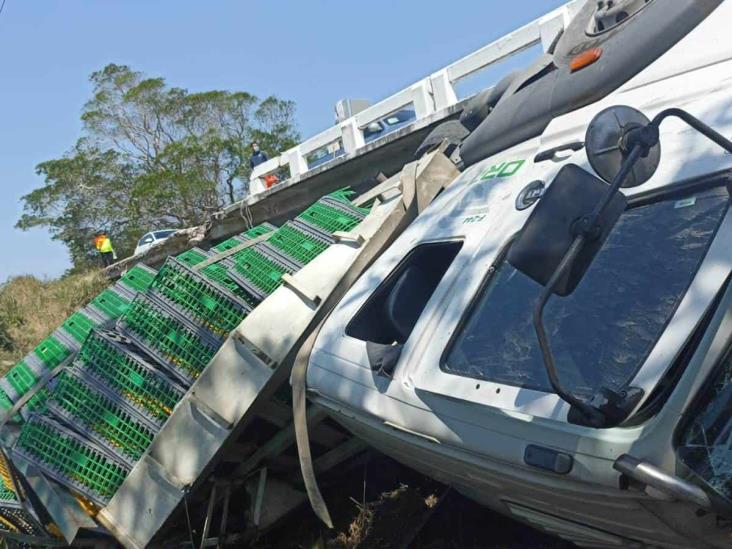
{"x":388,"y":124}
{"x":152,"y":238}
{"x":372,"y":132}
{"x":325,"y":154}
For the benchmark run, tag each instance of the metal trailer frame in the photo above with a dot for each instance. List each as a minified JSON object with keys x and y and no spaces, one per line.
{"x":244,"y":376}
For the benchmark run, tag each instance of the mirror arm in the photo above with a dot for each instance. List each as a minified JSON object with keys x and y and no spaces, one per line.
{"x":584,"y":230}
{"x":635,"y":154}
{"x":594,"y":416}
{"x":695,"y":123}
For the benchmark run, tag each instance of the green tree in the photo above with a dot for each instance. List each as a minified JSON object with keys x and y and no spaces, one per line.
{"x":152,"y":156}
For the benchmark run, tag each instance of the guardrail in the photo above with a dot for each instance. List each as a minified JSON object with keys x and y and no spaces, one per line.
{"x":426,"y":98}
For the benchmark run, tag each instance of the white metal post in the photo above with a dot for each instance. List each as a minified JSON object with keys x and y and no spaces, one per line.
{"x":422,"y":98}
{"x":297,"y":162}
{"x":443,"y":93}
{"x":352,"y":136}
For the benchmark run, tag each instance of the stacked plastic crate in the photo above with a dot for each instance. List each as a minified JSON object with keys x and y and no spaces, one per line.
{"x":258,"y":271}
{"x":103,"y":412}
{"x":68,"y":338}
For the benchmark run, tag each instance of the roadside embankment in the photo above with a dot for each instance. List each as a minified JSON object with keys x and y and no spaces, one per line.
{"x":31,"y":308}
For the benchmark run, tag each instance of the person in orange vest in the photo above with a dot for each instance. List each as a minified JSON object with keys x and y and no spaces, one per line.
{"x":104,"y":246}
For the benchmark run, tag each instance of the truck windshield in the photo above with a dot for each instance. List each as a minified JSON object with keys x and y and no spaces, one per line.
{"x":602,"y":333}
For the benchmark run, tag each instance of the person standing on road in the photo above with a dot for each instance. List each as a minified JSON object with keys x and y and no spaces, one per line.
{"x":258,"y":157}
{"x":104,"y":246}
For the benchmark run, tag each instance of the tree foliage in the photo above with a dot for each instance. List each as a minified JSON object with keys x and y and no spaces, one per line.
{"x":150,"y":157}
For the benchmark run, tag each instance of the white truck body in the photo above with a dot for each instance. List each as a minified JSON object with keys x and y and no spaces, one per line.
{"x":473,"y":432}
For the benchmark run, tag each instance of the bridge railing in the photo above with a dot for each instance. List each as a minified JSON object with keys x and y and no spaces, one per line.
{"x":427,"y":97}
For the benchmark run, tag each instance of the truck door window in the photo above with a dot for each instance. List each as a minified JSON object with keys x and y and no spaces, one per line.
{"x":391,"y":313}
{"x":601,"y":334}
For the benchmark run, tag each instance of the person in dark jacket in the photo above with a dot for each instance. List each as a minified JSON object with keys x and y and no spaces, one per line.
{"x":258,"y":157}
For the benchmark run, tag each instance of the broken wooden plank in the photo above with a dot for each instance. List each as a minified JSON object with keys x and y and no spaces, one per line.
{"x":336,"y":456}
{"x":280,"y":414}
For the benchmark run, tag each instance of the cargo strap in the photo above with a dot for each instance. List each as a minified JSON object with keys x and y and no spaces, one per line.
{"x":397,"y":221}
{"x":393,"y":225}
{"x":32,"y":392}
{"x":411,"y":204}
{"x":302,"y":436}
{"x":236,"y":249}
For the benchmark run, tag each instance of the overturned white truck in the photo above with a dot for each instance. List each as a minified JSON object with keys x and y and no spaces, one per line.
{"x":551,"y":336}
{"x":546,"y":331}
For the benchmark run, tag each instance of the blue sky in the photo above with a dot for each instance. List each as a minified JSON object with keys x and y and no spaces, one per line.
{"x":313,"y":52}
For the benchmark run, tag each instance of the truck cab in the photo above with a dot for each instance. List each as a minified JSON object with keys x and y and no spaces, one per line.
{"x":432,"y":357}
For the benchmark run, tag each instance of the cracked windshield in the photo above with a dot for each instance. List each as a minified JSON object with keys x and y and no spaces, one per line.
{"x":603,"y":332}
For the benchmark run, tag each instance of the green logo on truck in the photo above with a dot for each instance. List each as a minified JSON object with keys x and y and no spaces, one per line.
{"x":504,"y":169}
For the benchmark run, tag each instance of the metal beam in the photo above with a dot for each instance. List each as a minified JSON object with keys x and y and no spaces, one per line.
{"x":278,"y":443}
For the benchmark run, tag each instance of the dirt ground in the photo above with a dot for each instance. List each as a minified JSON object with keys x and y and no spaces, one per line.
{"x":376,"y":502}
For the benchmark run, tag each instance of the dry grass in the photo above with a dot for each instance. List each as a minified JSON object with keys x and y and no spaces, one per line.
{"x":30,"y":309}
{"x":361,"y":528}
{"x":358,"y":530}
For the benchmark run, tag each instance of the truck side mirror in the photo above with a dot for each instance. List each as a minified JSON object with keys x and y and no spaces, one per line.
{"x":569,"y":225}
{"x":558,"y":218}
{"x":578,"y":203}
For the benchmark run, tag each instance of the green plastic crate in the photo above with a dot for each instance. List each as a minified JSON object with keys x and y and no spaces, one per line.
{"x":343,"y":194}
{"x":228,"y":244}
{"x":343,"y":205}
{"x":22,"y":378}
{"x":66,"y":339}
{"x":297,"y":244}
{"x":259,"y":230}
{"x":237,"y":240}
{"x":192,"y":257}
{"x":6,"y":494}
{"x":213,"y":306}
{"x":79,"y":325}
{"x":116,"y":365}
{"x":261,"y":271}
{"x":330,"y":218}
{"x":52,"y":352}
{"x":186,"y":349}
{"x":67,"y":457}
{"x":100,"y":416}
{"x":111,"y":303}
{"x":138,"y":278}
{"x":220,"y":274}
{"x":5,"y":402}
{"x":37,"y":402}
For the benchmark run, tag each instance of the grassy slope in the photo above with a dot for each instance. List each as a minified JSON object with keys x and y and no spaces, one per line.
{"x":30,"y":309}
